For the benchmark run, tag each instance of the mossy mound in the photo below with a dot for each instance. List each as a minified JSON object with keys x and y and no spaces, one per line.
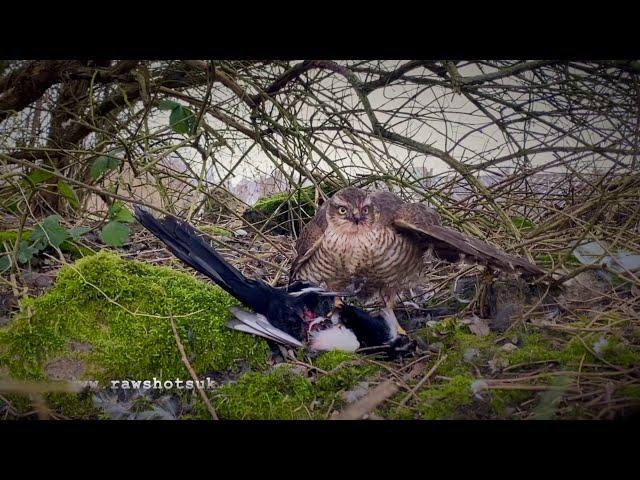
{"x":118,"y":311}
{"x":106,"y":319}
{"x":285,"y":212}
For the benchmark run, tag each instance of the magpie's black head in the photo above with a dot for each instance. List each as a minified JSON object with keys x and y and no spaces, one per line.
{"x":311,"y":298}
{"x":287,"y":314}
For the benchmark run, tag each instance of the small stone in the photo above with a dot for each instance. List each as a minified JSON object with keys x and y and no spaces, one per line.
{"x":435,"y":347}
{"x":600,"y":345}
{"x":37,"y":280}
{"x":79,"y":346}
{"x":508,"y":347}
{"x":478,"y":386}
{"x":64,"y":369}
{"x":359,"y":391}
{"x":470,"y":354}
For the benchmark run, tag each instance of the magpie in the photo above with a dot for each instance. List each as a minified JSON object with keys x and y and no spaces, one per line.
{"x":299,"y":315}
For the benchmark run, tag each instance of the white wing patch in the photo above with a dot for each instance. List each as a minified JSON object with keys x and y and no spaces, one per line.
{"x":259,"y":325}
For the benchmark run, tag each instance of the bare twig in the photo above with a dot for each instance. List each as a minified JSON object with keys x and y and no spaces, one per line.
{"x":185,"y":360}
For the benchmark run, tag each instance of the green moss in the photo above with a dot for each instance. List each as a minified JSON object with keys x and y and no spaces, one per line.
{"x":334,"y":359}
{"x":631,"y":391}
{"x":441,"y":402}
{"x":280,"y":395}
{"x":305,"y":199}
{"x":75,"y":406}
{"x":345,"y":371}
{"x":460,"y":340}
{"x":141,"y":346}
{"x":463,"y":338}
{"x":502,"y":399}
{"x":400,"y":413}
{"x":449,"y":397}
{"x":575,"y":350}
{"x":287,"y":395}
{"x":216,"y":231}
{"x":121,"y":309}
{"x":10,"y":236}
{"x":622,"y":355}
{"x":534,"y":347}
{"x":553,"y":259}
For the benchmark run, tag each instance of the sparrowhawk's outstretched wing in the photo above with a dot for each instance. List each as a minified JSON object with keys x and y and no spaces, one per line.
{"x":423,"y":223}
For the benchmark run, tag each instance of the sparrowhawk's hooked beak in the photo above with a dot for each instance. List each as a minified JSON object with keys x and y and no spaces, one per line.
{"x":355,"y":217}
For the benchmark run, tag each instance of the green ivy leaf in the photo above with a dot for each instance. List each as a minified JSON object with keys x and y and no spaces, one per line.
{"x":5,"y":263}
{"x":69,"y":193}
{"x":77,"y":232}
{"x":39,"y":176}
{"x":167,"y":105}
{"x":120,"y":213}
{"x":38,"y":240}
{"x":124,"y":215}
{"x":103,"y":164}
{"x":114,"y":233}
{"x":26,"y":251}
{"x":182,"y":120}
{"x":49,"y":232}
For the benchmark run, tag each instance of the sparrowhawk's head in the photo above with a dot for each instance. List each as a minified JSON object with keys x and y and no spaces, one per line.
{"x":350,"y":208}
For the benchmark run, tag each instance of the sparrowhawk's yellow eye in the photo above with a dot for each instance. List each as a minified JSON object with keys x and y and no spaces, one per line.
{"x":342,"y":211}
{"x":365,"y":210}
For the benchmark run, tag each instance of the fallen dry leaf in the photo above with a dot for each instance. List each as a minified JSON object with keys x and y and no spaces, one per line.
{"x":498,"y":364}
{"x":479,"y":327}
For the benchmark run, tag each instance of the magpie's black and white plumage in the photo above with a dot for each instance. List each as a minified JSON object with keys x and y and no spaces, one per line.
{"x":300,"y":315}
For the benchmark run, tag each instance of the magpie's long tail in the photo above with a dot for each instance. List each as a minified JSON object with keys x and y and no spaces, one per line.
{"x":185,"y":243}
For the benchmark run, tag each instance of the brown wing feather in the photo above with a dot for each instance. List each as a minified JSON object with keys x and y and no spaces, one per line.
{"x":309,"y":240}
{"x":450,"y":245}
